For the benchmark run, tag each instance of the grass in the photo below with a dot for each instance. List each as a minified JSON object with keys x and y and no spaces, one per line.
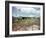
{"x":27,"y":21}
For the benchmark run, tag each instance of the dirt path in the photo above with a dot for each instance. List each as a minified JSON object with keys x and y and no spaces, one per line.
{"x":26,"y":28}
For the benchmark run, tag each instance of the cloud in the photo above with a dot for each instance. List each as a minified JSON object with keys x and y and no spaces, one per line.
{"x":25,"y":11}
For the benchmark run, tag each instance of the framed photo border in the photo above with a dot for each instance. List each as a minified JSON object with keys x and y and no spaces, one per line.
{"x":7,"y":18}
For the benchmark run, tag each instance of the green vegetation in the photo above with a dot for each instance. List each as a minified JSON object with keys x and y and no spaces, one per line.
{"x":18,"y":22}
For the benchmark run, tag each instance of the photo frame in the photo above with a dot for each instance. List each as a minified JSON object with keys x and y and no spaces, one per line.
{"x":24,"y":18}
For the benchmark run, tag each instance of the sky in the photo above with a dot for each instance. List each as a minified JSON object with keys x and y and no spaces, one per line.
{"x":18,"y":11}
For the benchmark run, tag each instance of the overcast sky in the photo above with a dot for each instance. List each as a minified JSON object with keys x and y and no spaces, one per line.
{"x":25,"y":11}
